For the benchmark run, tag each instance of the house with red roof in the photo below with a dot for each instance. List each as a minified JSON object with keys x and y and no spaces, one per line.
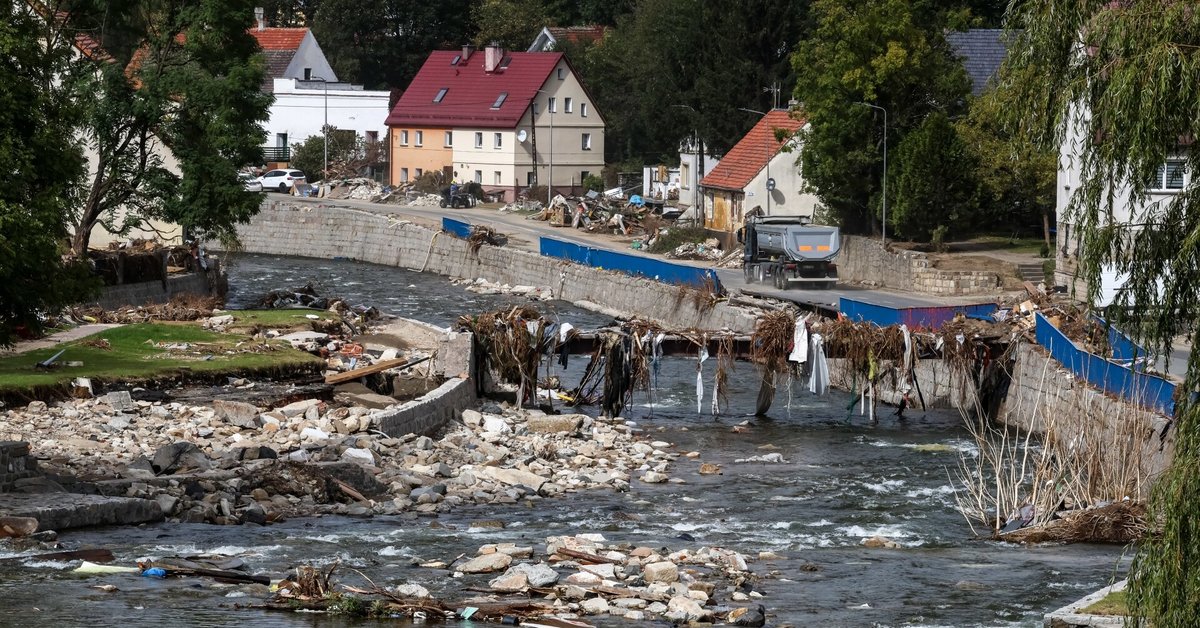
{"x":505,"y":120}
{"x":759,"y":174}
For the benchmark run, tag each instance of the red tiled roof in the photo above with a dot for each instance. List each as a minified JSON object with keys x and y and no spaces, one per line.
{"x":750,"y":155}
{"x":470,"y":92}
{"x":273,"y":38}
{"x":577,"y":34}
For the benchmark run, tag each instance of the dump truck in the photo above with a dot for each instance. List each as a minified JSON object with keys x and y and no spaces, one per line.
{"x":786,"y":251}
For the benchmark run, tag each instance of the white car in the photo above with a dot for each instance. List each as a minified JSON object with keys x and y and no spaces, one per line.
{"x":281,"y":180}
{"x":250,"y":182}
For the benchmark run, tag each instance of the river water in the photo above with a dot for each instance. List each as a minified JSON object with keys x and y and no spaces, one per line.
{"x":843,"y":480}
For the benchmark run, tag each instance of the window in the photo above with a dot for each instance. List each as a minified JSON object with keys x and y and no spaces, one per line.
{"x":496,"y":177}
{"x":420,"y":138}
{"x":583,"y":109}
{"x":404,"y":175}
{"x":567,"y":105}
{"x":478,"y":139}
{"x":500,"y":100}
{"x":1172,"y":175}
{"x":562,"y":73}
{"x":536,"y":108}
{"x":281,"y":140}
{"x":479,"y":176}
{"x":308,"y":74}
{"x":529,"y":178}
{"x":404,"y":138}
{"x":440,"y":95}
{"x":583,"y":175}
{"x":420,"y":172}
{"x":685,"y":175}
{"x":449,"y":141}
{"x":498,"y":140}
{"x":372,"y":137}
{"x":587,"y":141}
{"x":553,"y":106}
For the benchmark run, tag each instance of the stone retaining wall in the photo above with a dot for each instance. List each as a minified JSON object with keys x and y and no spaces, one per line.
{"x":864,"y":260}
{"x":16,"y":463}
{"x":1042,"y":393}
{"x":428,"y":414}
{"x":286,"y":228}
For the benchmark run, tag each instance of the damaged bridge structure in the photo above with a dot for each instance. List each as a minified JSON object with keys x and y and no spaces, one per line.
{"x":520,"y":348}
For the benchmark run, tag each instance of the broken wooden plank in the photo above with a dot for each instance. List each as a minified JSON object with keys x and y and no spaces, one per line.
{"x":584,"y":556}
{"x":378,"y":367}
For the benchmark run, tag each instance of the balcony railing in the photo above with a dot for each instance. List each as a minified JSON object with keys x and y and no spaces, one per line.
{"x":277,"y":153}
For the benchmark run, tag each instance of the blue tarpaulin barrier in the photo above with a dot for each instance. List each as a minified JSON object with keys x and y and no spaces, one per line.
{"x":457,"y":228}
{"x":1148,"y":391}
{"x":931,"y":317}
{"x":631,"y":264}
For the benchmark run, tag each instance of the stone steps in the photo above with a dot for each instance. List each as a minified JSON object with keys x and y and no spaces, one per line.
{"x":1031,"y":272}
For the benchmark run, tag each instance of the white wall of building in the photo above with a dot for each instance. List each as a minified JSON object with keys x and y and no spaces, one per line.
{"x":690,"y":173}
{"x":309,"y":56}
{"x":789,"y":197}
{"x":300,"y":110}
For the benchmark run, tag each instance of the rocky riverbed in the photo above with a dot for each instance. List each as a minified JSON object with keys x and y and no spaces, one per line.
{"x":232,"y":461}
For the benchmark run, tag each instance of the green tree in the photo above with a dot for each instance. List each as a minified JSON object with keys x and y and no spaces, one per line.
{"x":889,"y":53}
{"x":42,"y":161}
{"x":349,"y":155}
{"x":382,"y":43}
{"x":512,"y":23}
{"x":1016,"y":175}
{"x":936,"y":185}
{"x":185,"y":78}
{"x":1123,"y":75}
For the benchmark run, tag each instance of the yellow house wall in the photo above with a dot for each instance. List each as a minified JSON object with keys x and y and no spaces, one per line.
{"x":431,"y":155}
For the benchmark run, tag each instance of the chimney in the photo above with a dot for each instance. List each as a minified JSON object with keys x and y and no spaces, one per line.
{"x":258,"y":16}
{"x":492,"y":56}
{"x":467,"y":50}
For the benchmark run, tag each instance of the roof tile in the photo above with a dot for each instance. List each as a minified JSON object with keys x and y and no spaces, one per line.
{"x":277,"y":38}
{"x":470,"y":92}
{"x":750,"y":155}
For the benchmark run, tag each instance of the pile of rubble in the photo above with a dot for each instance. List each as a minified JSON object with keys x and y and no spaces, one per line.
{"x":233,"y":461}
{"x":709,"y":250}
{"x":596,"y":212}
{"x":483,"y":286}
{"x":637,"y":583}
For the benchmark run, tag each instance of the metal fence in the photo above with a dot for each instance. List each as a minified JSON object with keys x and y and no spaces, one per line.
{"x":636,"y":265}
{"x":915,"y":317}
{"x":1148,"y":391}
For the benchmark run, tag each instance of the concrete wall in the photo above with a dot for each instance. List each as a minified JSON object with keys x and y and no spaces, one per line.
{"x":141,"y":293}
{"x":283,"y":228}
{"x":864,"y":260}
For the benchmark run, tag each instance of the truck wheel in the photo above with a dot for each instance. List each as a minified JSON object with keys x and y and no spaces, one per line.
{"x":748,"y":271}
{"x":759,"y":271}
{"x":780,"y":280}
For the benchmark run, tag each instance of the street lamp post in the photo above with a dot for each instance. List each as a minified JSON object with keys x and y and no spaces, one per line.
{"x":867,"y":104}
{"x":770,"y":155}
{"x":325,"y":129}
{"x":550,"y":159}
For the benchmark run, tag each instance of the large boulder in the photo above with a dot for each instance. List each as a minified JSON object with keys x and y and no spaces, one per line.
{"x":181,"y":456}
{"x":664,"y":571}
{"x":554,"y":424}
{"x":512,"y":477}
{"x":486,"y":563}
{"x":538,"y":574}
{"x":238,"y":413}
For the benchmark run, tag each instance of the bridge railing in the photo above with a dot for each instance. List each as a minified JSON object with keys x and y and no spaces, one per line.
{"x":1149,"y":391}
{"x":636,"y":265}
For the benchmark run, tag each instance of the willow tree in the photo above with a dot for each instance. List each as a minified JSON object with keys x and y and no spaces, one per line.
{"x":1118,"y":85}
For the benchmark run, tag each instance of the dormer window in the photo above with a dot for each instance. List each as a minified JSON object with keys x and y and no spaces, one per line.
{"x":500,"y":100}
{"x":440,"y":95}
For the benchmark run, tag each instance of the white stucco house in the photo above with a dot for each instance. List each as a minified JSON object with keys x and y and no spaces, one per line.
{"x":308,"y":93}
{"x":1171,"y":179}
{"x":759,"y":174}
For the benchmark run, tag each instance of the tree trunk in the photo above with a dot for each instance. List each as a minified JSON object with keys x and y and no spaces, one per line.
{"x":1046,"y":232}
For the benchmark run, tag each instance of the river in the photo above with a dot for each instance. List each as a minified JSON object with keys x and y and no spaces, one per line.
{"x":843,"y":480}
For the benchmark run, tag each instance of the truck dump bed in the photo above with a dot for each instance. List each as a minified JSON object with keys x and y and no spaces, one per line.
{"x":800,"y":243}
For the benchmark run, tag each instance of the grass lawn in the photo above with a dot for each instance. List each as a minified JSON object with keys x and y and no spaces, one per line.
{"x":1001,"y":243}
{"x":148,"y":351}
{"x":1113,"y":604}
{"x":282,"y":320}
